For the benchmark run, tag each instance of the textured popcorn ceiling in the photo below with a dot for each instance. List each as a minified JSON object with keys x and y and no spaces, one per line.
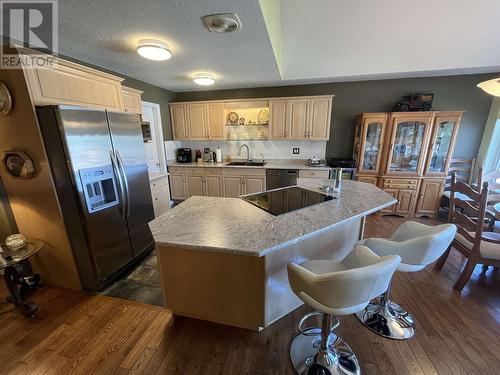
{"x":314,"y":40}
{"x":105,"y":33}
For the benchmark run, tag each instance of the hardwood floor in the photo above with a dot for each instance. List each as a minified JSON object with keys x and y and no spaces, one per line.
{"x":79,"y":333}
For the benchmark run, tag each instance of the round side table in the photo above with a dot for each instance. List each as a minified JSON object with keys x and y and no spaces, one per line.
{"x":19,"y":277}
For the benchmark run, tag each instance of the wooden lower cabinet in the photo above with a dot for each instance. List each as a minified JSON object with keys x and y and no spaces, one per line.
{"x":429,"y":197}
{"x":178,"y":189}
{"x":195,"y":185}
{"x":368,"y":179}
{"x":213,"y":186}
{"x":213,"y":182}
{"x":254,"y":184}
{"x":390,"y":209}
{"x":406,"y":202}
{"x":233,"y":186}
{"x":415,"y":197}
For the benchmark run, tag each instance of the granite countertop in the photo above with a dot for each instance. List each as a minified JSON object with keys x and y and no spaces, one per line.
{"x":231,"y":225}
{"x":270,"y":164}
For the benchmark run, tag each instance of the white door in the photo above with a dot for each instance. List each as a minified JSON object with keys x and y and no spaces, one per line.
{"x":154,"y":148}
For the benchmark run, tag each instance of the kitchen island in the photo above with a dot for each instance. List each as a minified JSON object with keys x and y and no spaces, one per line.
{"x":224,"y":259}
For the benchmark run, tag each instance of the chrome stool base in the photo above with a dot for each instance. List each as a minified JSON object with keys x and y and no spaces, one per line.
{"x":307,"y":358}
{"x":388,"y":319}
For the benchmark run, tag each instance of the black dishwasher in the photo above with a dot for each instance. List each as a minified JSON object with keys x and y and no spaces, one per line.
{"x":279,"y":178}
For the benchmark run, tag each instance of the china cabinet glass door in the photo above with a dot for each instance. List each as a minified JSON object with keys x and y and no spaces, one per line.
{"x":407,"y":146}
{"x":442,"y":140}
{"x":371,"y":146}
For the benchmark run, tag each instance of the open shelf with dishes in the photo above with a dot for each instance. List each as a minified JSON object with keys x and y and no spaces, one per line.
{"x":247,"y":120}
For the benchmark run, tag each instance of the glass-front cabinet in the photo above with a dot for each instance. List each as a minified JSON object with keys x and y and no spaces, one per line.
{"x":370,"y":131}
{"x":441,"y":143}
{"x":407,"y":143}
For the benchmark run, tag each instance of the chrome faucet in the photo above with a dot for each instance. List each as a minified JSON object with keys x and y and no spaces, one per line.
{"x":248,"y":151}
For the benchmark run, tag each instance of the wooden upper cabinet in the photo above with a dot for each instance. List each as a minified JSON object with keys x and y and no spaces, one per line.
{"x":74,"y":84}
{"x":215,"y":120}
{"x":196,"y":121}
{"x":320,"y":118}
{"x":132,"y":100}
{"x":442,"y":140}
{"x":178,"y":120}
{"x":408,"y":143}
{"x":298,"y":124}
{"x":279,"y":119}
{"x":369,"y":142}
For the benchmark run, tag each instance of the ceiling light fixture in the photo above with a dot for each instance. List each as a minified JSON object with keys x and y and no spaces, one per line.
{"x":492,"y":86}
{"x":204,"y":79}
{"x":154,"y":50}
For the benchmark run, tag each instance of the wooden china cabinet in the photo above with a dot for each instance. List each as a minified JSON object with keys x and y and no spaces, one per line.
{"x":407,"y":154}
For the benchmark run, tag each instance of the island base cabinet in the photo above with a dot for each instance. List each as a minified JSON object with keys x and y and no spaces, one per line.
{"x":243,"y":290}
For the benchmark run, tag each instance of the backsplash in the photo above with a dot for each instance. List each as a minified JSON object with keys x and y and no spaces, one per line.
{"x":270,"y":149}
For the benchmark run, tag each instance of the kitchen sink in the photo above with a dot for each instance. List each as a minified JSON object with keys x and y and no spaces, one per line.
{"x":247,"y":163}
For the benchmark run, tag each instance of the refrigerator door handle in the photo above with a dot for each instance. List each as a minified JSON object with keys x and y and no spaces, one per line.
{"x":114,"y":163}
{"x":125,"y":182}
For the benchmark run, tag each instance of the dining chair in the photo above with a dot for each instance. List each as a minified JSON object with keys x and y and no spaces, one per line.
{"x":478,"y":246}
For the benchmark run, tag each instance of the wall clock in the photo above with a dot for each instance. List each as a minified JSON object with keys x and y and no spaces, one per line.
{"x":5,"y":100}
{"x":19,"y":164}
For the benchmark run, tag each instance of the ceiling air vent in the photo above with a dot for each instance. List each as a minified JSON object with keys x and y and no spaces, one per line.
{"x":222,"y":23}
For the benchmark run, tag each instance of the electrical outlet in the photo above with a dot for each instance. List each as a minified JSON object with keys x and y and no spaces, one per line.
{"x":296,"y":150}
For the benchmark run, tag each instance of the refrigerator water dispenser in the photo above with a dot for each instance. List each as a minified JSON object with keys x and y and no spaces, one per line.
{"x":99,"y":187}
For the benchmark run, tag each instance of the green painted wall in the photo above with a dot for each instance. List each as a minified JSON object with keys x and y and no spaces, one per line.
{"x":453,"y":93}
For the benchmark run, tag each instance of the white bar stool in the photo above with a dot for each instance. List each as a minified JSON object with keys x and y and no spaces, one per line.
{"x":335,"y":288}
{"x":418,"y":245}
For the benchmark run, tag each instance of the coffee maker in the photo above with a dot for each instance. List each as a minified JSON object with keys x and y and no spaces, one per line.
{"x":184,"y":155}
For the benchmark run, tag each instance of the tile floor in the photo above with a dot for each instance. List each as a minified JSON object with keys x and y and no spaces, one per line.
{"x":141,"y":285}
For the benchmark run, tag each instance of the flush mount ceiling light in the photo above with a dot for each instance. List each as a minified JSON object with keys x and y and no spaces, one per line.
{"x":154,"y":50}
{"x":204,"y":79}
{"x":492,"y":86}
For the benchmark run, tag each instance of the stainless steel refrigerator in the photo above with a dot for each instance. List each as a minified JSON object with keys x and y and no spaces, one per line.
{"x":98,"y":164}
